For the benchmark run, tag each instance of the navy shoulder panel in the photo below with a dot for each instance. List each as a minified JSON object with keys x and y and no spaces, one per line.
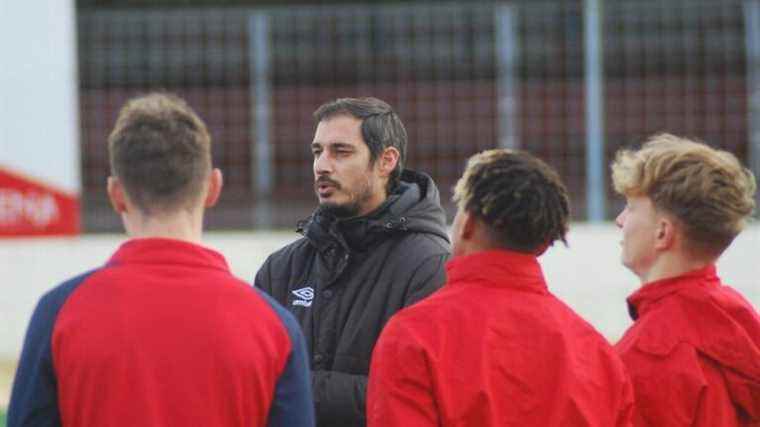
{"x":292,"y":404}
{"x":285,"y":316}
{"x":34,"y":398}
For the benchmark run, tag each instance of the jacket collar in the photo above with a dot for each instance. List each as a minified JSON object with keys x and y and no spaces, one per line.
{"x":359,"y":232}
{"x":500,"y":268}
{"x":326,"y":231}
{"x":650,"y":293}
{"x":167,"y":251}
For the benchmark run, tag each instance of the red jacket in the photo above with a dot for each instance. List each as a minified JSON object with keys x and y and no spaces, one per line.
{"x":162,"y":335}
{"x":693,"y":353}
{"x":495,"y":348}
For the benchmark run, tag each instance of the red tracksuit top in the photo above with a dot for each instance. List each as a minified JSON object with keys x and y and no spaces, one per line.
{"x":693,"y":353}
{"x":162,"y":335}
{"x":494,"y":347}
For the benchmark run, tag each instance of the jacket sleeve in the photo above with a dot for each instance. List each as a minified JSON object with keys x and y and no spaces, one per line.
{"x":668,"y":388}
{"x":716,"y":404}
{"x":427,"y":278}
{"x":626,"y":410}
{"x":292,"y":405}
{"x":400,"y":389}
{"x":34,"y":399}
{"x":263,"y":278}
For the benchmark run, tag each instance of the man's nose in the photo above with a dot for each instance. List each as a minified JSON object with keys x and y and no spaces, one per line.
{"x":620,"y":219}
{"x":322,"y":164}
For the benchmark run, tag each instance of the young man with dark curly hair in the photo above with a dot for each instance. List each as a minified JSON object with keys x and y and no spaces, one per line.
{"x":494,"y":347}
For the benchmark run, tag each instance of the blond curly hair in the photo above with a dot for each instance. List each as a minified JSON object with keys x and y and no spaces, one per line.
{"x":706,"y":190}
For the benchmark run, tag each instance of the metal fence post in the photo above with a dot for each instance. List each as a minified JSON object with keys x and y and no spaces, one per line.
{"x":260,"y":95}
{"x":506,"y":56}
{"x":595,"y":183}
{"x":752,"y":42}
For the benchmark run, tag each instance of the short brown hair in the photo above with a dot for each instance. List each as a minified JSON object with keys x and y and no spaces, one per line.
{"x":381,"y":127}
{"x":160,"y":150}
{"x":518,"y":196}
{"x":705,"y":189}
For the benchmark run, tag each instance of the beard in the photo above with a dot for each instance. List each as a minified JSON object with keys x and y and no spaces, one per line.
{"x":356,"y":199}
{"x":340,"y":211}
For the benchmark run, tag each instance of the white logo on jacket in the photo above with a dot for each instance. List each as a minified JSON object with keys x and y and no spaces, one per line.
{"x":304,"y":295}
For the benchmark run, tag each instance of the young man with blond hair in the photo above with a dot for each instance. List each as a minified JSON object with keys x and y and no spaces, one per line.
{"x":494,"y":347}
{"x":162,"y":334}
{"x":693,"y":352}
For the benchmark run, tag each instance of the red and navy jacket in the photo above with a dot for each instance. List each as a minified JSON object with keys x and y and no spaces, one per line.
{"x":494,"y":347}
{"x":693,"y":353}
{"x":162,"y":335}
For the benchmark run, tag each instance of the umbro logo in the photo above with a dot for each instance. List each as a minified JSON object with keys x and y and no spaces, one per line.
{"x":304,"y":295}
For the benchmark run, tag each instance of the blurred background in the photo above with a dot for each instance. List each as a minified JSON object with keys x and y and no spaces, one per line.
{"x":464,"y":76}
{"x":571,"y":81}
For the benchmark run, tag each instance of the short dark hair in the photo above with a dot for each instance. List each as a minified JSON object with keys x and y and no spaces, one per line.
{"x":381,"y":127}
{"x":518,"y":196}
{"x":160,"y":150}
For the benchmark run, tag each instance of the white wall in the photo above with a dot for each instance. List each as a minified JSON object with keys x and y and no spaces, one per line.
{"x":587,"y":274}
{"x":39,"y":121}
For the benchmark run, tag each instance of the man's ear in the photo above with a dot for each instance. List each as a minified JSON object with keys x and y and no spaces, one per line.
{"x":116,"y":195}
{"x":666,"y":233}
{"x":215,"y":183}
{"x":388,"y":160}
{"x":470,"y":226}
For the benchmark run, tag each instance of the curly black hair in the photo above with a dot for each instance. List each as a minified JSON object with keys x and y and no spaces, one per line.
{"x":518,"y":196}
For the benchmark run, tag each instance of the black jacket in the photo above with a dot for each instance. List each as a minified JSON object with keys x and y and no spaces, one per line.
{"x":345,"y":278}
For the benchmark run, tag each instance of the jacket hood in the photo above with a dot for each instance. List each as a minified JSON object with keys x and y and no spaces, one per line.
{"x":413,"y":206}
{"x":418,"y":206}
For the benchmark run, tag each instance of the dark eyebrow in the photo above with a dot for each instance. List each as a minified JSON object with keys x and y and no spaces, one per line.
{"x":332,"y":146}
{"x":342,"y":145}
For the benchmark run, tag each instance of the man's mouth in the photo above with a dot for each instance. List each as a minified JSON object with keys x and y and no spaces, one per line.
{"x":325,"y":187}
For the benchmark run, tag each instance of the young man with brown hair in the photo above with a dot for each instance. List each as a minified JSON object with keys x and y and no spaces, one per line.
{"x":494,"y":347}
{"x":693,"y":352}
{"x":376,"y":243}
{"x":162,"y":334}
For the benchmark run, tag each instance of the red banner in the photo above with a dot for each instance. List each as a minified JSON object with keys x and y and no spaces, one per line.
{"x":31,"y":208}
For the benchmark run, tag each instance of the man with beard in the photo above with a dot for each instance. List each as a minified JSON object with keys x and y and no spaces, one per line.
{"x":376,"y":243}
